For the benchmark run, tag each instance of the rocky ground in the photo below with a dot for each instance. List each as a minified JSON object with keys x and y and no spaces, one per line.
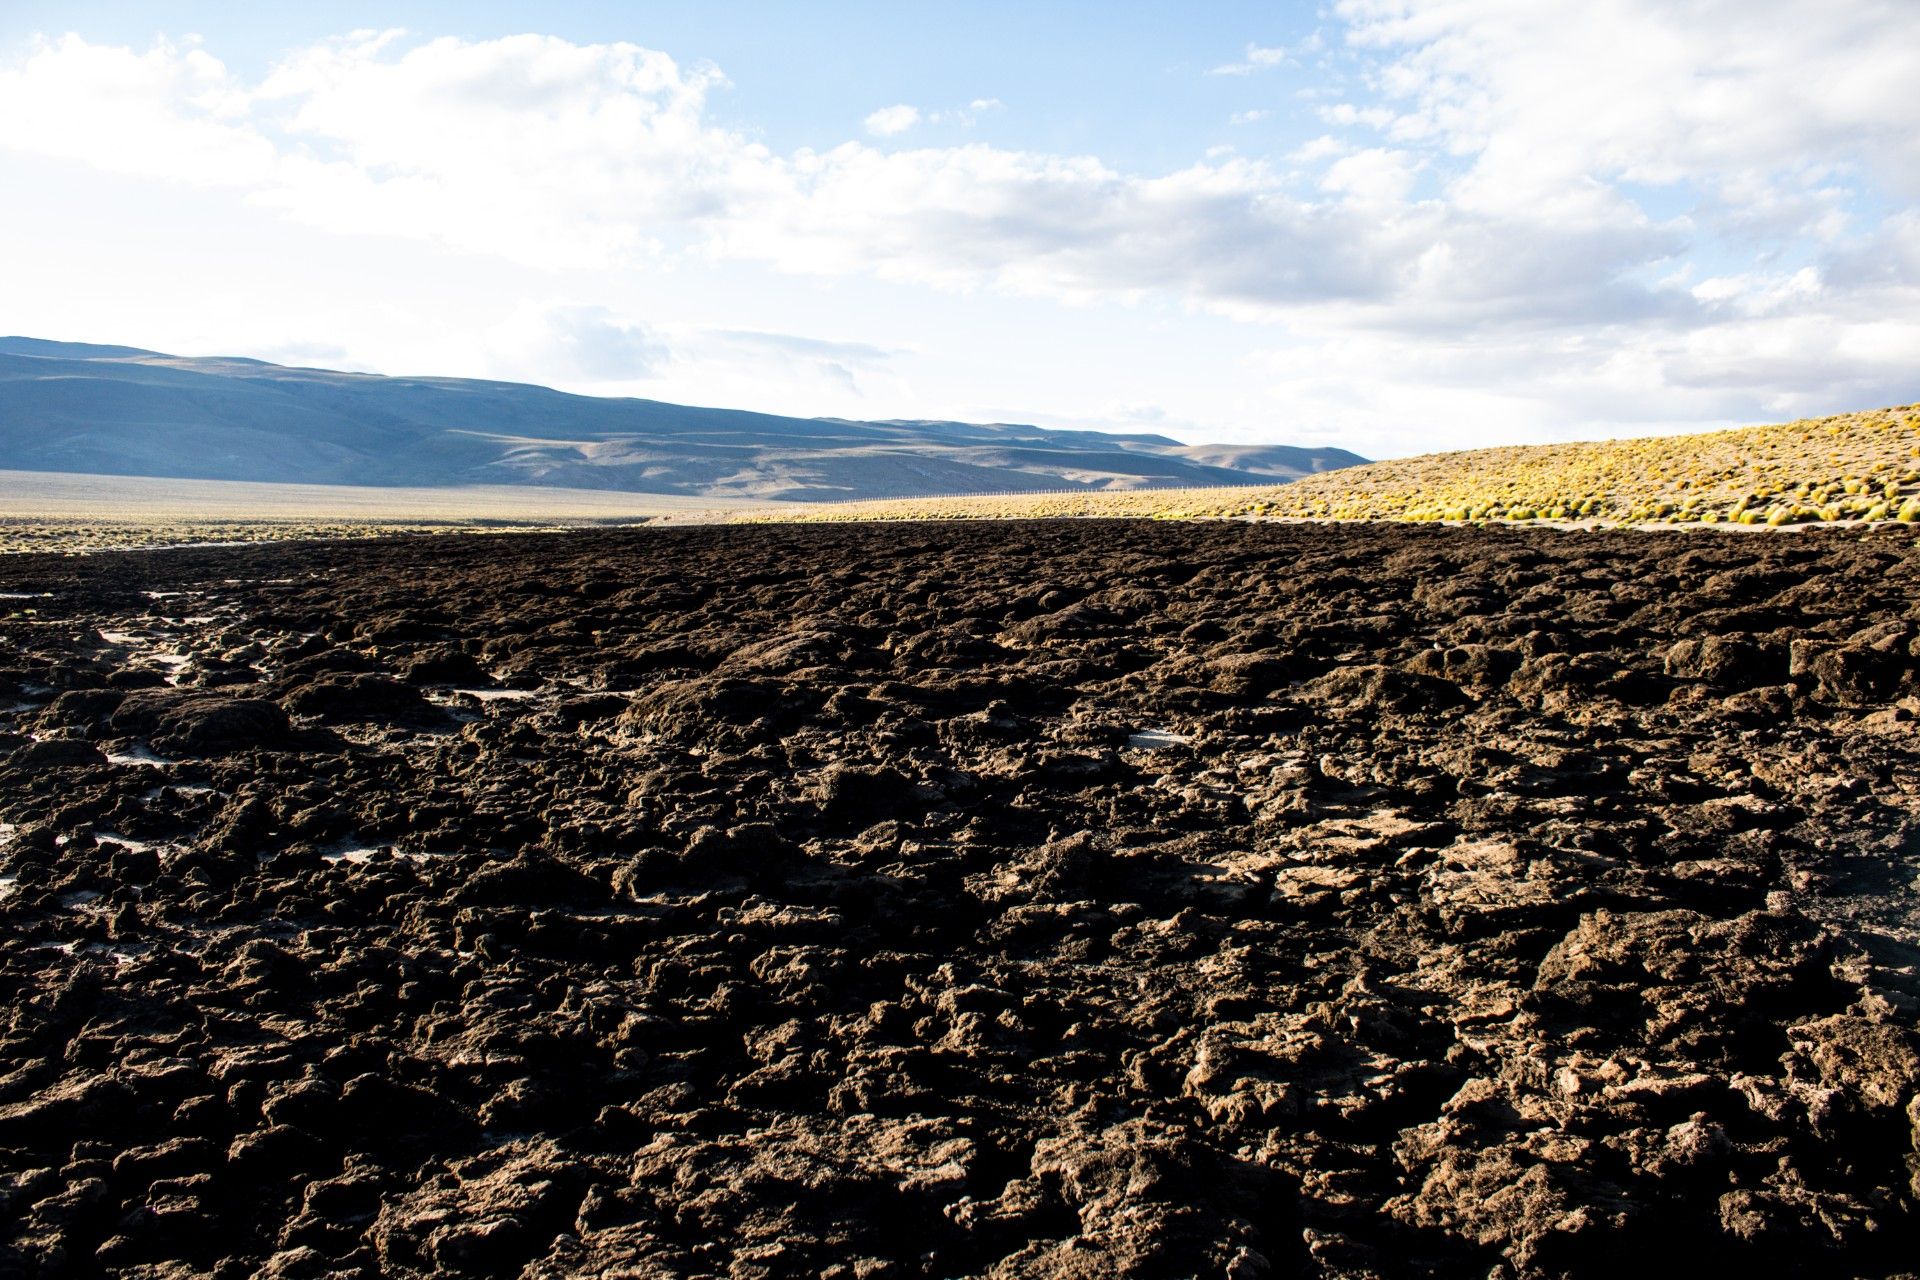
{"x":1054,"y":899}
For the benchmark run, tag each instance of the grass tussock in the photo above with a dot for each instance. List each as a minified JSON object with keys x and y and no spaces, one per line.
{"x":1853,"y":467}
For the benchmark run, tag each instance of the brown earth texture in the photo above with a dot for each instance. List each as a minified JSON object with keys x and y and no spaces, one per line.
{"x":1019,"y":900}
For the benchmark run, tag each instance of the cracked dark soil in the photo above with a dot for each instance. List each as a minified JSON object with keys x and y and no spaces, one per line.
{"x":1048,"y":899}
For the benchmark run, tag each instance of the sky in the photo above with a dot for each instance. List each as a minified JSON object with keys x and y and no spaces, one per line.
{"x":1390,"y":225}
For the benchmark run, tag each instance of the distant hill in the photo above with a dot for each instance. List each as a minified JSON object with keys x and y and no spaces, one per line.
{"x":77,"y":407}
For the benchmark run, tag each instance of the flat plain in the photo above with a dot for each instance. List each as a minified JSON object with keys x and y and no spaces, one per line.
{"x":63,"y":511}
{"x":1075,"y":898}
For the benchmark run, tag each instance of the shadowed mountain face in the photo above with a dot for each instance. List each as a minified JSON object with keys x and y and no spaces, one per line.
{"x":68,"y":406}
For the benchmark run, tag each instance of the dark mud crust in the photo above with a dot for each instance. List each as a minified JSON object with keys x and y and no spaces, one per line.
{"x":1520,"y":904}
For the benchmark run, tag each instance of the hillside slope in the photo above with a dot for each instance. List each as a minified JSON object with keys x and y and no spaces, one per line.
{"x":1850,"y":466}
{"x":73,"y":407}
{"x":1856,"y":466}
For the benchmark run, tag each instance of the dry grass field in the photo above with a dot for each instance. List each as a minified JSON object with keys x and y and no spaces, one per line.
{"x":1853,"y":467}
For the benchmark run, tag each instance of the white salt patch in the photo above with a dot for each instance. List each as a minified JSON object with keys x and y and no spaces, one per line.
{"x":358,"y":854}
{"x":350,"y":855}
{"x":1156,"y":740}
{"x":184,"y":788}
{"x":138,"y":756}
{"x":482,"y":695}
{"x":135,"y":640}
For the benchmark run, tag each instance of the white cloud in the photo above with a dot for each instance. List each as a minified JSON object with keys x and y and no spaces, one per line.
{"x":965,"y":116}
{"x":1376,"y":176}
{"x":1324,"y":147}
{"x":1747,"y":100}
{"x":1345,"y":113}
{"x":889,"y":122}
{"x":804,"y":345}
{"x":563,"y":155}
{"x":849,"y":365}
{"x":173,"y":112}
{"x":596,"y":349}
{"x":1224,"y":234}
{"x":529,"y":146}
{"x":1262,"y":57}
{"x":1249,"y":117}
{"x":1383,"y":395}
{"x":580,"y":344}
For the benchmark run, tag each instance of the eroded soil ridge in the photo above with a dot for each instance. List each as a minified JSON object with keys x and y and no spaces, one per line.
{"x":1074,"y":899}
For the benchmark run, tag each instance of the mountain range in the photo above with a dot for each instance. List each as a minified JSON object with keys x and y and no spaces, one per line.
{"x":81,"y":407}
